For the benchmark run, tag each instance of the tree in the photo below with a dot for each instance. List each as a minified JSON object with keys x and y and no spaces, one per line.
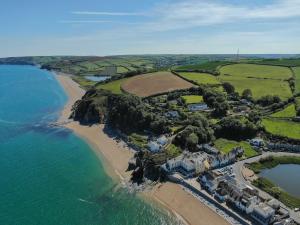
{"x":235,"y":128}
{"x":229,"y":88}
{"x":247,"y":94}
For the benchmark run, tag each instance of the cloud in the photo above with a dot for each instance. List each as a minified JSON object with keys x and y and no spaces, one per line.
{"x":192,"y":13}
{"x":85,"y":21}
{"x":107,"y":13}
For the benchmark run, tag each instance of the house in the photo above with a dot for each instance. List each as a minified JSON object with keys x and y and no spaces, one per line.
{"x":263,"y":214}
{"x":221,"y":160}
{"x":162,"y":140}
{"x":210,"y":180}
{"x":154,"y":146}
{"x":172,"y":114}
{"x":198,"y":107}
{"x":158,"y":144}
{"x":208,"y":149}
{"x":245,"y":102}
{"x":257,"y":142}
{"x":187,"y":164}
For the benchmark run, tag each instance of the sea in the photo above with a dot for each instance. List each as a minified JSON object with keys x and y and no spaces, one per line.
{"x":48,"y":175}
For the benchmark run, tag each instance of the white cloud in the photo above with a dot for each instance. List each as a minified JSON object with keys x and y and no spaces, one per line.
{"x":85,"y":21}
{"x":106,"y":13}
{"x":192,"y":13}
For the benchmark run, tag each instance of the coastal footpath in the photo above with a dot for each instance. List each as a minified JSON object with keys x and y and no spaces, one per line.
{"x":115,"y":155}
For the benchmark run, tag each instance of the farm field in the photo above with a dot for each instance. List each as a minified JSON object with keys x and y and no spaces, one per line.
{"x":282,"y":128}
{"x":154,"y":83}
{"x":259,"y":87}
{"x":257,"y":71}
{"x":191,"y":99}
{"x":113,"y":86}
{"x":226,"y":146}
{"x":289,"y":111}
{"x":297,"y":77}
{"x":209,"y":66}
{"x":200,"y":78}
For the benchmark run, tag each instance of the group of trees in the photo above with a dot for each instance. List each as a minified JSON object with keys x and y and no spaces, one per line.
{"x":196,"y":132}
{"x":216,"y":100}
{"x":268,"y":100}
{"x":235,"y":128}
{"x":129,"y":113}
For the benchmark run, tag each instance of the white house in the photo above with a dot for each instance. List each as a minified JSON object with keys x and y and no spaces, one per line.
{"x":162,"y":140}
{"x":188,"y":164}
{"x":154,"y":146}
{"x":263,"y":214}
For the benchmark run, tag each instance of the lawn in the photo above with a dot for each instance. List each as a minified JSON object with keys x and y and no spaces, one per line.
{"x":173,"y":151}
{"x":297,"y":76}
{"x":282,"y":128}
{"x":259,"y":87}
{"x":200,"y":78}
{"x":257,"y":71}
{"x":83,"y":82}
{"x":288,"y":112}
{"x":226,"y":146}
{"x":191,"y":99}
{"x":113,"y":86}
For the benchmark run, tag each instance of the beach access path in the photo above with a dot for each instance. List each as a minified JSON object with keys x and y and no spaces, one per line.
{"x":116,"y":155}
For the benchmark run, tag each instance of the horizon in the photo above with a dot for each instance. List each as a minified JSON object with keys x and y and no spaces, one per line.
{"x":100,"y":28}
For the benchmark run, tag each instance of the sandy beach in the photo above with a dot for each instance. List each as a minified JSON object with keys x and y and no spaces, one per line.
{"x":116,"y":155}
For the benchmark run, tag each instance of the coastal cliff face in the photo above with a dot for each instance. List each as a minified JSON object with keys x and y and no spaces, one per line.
{"x":92,"y":108}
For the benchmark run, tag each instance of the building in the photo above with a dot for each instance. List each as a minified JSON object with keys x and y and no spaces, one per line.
{"x":158,"y":144}
{"x":198,"y":107}
{"x":210,"y":180}
{"x":221,"y":160}
{"x":154,"y":146}
{"x":263,"y":214}
{"x":257,"y":142}
{"x":172,"y":114}
{"x":188,"y":164}
{"x":208,"y":149}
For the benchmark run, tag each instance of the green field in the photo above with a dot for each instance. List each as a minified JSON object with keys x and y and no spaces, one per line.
{"x":113,"y":86}
{"x":261,"y":79}
{"x":200,"y":78}
{"x":209,"y":66}
{"x":226,"y":146}
{"x":289,"y":111}
{"x":83,"y":82}
{"x":297,"y":79}
{"x":282,"y":128}
{"x":257,"y":71}
{"x":259,"y":87}
{"x":191,"y":99}
{"x":279,"y":62}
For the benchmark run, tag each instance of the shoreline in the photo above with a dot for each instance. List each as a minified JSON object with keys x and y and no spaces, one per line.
{"x":115,"y":156}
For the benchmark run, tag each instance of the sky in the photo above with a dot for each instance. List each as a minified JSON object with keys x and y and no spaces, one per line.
{"x":115,"y":27}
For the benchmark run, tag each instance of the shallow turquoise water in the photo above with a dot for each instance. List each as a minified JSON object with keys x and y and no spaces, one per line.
{"x":48,"y":175}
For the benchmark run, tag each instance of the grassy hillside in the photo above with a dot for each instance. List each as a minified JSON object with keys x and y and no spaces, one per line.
{"x":297,"y":79}
{"x":261,"y":79}
{"x":211,"y":66}
{"x":257,"y":71}
{"x":280,"y":62}
{"x":200,"y":78}
{"x":282,"y":128}
{"x":289,"y":111}
{"x":259,"y":87}
{"x":226,"y":146}
{"x":113,"y":86}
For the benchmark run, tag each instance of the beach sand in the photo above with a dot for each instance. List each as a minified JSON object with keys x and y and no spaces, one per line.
{"x":116,"y":155}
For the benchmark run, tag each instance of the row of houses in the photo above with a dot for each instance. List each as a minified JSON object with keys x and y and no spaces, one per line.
{"x":244,"y":198}
{"x":190,"y":164}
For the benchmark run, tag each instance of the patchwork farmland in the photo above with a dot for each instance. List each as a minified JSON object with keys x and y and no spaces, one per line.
{"x":154,"y":83}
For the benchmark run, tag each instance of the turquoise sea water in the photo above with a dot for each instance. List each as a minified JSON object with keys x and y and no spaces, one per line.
{"x":48,"y":176}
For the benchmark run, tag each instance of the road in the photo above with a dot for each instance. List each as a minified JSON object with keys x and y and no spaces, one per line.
{"x":238,"y":167}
